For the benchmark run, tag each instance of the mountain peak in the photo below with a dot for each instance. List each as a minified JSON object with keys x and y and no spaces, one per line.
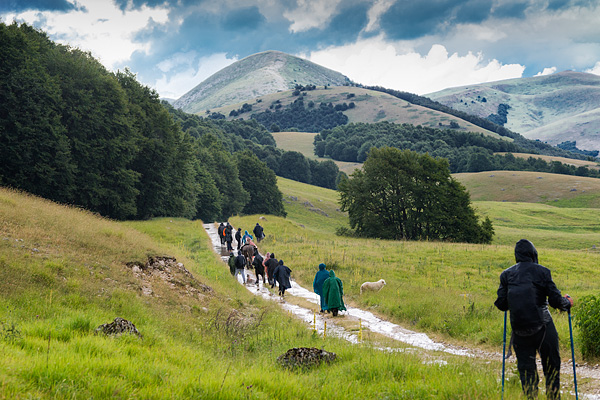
{"x":256,"y":75}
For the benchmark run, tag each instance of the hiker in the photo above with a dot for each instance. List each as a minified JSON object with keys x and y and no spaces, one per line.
{"x":525,"y":289}
{"x":258,"y":232}
{"x":246,"y":237}
{"x":238,"y":238}
{"x":228,"y":236}
{"x":231,"y":263}
{"x":271,"y":264}
{"x":320,"y":278}
{"x":240,"y":263}
{"x":259,"y":268}
{"x":333,"y":291}
{"x":282,"y":276}
{"x":221,"y":234}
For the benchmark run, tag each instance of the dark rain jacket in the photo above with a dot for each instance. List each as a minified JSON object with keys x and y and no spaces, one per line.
{"x":258,"y":231}
{"x":333,"y":291}
{"x":271,"y":264}
{"x":240,"y":261}
{"x":282,"y":276}
{"x":525,"y":289}
{"x":258,"y":263}
{"x":320,"y":278}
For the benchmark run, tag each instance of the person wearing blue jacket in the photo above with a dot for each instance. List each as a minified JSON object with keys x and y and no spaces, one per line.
{"x":320,"y":277}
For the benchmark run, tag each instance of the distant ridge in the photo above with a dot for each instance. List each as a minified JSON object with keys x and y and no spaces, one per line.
{"x":553,"y":108}
{"x":254,"y":76}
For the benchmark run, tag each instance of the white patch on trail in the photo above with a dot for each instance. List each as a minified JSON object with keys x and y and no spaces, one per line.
{"x":386,"y":328}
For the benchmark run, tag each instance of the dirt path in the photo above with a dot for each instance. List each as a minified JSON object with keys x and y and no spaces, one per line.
{"x":303,"y":303}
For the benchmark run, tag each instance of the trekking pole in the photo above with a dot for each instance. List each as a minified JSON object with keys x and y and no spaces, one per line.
{"x":503,"y":354}
{"x":573,"y":355}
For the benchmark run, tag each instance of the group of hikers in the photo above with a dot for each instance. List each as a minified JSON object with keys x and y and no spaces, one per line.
{"x":329,"y":287}
{"x":526,"y":289}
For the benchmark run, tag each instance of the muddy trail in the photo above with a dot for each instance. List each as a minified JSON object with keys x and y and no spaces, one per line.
{"x":356,"y":323}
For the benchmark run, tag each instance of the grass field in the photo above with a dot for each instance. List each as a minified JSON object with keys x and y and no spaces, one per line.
{"x":63,"y":273}
{"x":568,"y":161}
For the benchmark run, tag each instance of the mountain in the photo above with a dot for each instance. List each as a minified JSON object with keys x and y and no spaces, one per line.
{"x":254,"y":76}
{"x":553,"y":108}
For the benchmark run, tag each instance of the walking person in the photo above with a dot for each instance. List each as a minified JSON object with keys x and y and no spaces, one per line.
{"x":240,"y":263}
{"x":320,"y":278}
{"x":231,"y":263}
{"x":247,"y":237}
{"x":238,"y":238}
{"x":228,"y":237}
{"x":259,"y":268}
{"x":258,"y":232}
{"x":333,"y":291}
{"x":282,"y":276}
{"x":271,"y":265}
{"x":526,"y":289}
{"x":221,"y":234}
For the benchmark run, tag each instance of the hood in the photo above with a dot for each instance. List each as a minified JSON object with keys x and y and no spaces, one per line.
{"x":245,"y":232}
{"x":331,"y":274}
{"x":280,"y":262}
{"x":525,"y":251}
{"x":321,"y":267}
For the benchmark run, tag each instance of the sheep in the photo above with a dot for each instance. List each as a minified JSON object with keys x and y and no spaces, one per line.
{"x":376,"y":286}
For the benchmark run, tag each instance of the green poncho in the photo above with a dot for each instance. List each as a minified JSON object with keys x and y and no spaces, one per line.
{"x":333,"y":290}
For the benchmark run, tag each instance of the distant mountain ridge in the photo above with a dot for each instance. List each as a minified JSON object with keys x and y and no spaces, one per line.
{"x":254,"y":76}
{"x":553,"y":108}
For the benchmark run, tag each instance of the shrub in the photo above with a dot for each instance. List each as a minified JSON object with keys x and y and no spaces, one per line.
{"x":587,"y":319}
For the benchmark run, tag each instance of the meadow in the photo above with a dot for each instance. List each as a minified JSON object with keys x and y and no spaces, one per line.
{"x":63,"y":272}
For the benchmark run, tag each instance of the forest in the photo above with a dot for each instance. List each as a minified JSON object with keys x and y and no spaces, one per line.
{"x":78,"y":134}
{"x":465,"y":151}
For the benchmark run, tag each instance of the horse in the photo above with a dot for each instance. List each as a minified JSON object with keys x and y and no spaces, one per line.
{"x":248,"y":252}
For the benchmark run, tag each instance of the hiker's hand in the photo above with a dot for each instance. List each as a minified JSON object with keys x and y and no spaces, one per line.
{"x":570,"y":299}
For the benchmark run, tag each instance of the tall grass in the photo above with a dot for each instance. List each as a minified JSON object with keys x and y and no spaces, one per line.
{"x":63,"y":273}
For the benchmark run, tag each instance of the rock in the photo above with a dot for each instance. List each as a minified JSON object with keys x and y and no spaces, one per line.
{"x":305,"y":357}
{"x":118,"y":327}
{"x":573,"y":190}
{"x":307,"y":204}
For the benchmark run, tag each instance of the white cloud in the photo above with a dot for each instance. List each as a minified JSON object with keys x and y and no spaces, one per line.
{"x":375,"y":12}
{"x":311,"y":14}
{"x":377,"y":62}
{"x":181,"y":73}
{"x":546,"y":71}
{"x":97,"y":26}
{"x":595,"y":70}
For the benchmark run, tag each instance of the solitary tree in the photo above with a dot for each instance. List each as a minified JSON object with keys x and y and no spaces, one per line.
{"x":399,"y":194}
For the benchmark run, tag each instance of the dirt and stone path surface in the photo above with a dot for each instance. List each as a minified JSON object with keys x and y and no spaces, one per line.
{"x":357,"y":323}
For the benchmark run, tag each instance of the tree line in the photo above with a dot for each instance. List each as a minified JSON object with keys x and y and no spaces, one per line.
{"x":75,"y":133}
{"x":465,"y":151}
{"x":238,"y":135}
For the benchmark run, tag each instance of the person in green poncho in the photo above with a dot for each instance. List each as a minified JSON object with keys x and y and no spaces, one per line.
{"x":333,"y":292}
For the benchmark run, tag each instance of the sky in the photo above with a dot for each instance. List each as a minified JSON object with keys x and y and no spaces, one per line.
{"x":417,"y":46}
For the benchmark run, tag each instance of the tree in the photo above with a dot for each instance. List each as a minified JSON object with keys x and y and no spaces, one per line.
{"x":293,"y":165}
{"x":399,"y":194}
{"x":261,"y":183}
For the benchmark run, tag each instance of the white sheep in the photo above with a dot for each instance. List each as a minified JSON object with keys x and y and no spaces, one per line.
{"x":376,"y":286}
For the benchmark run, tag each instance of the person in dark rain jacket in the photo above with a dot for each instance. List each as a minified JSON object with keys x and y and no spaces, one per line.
{"x":271,"y":264}
{"x":320,"y":278}
{"x":526,"y":289}
{"x":282,"y":276}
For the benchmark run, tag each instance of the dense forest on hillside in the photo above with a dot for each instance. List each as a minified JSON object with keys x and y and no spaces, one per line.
{"x":309,"y":117}
{"x":75,"y":133}
{"x":529,"y":146}
{"x":465,"y":151}
{"x":239,"y":135}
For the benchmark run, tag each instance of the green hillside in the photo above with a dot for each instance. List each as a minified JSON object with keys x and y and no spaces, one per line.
{"x":254,"y":76}
{"x":65,"y":272}
{"x":553,"y":108}
{"x":371,"y":106}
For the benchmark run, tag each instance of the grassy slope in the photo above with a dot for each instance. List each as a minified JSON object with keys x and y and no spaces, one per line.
{"x":546,"y":108}
{"x":62,"y":273}
{"x":303,"y":143}
{"x":568,"y":161}
{"x":371,"y":106}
